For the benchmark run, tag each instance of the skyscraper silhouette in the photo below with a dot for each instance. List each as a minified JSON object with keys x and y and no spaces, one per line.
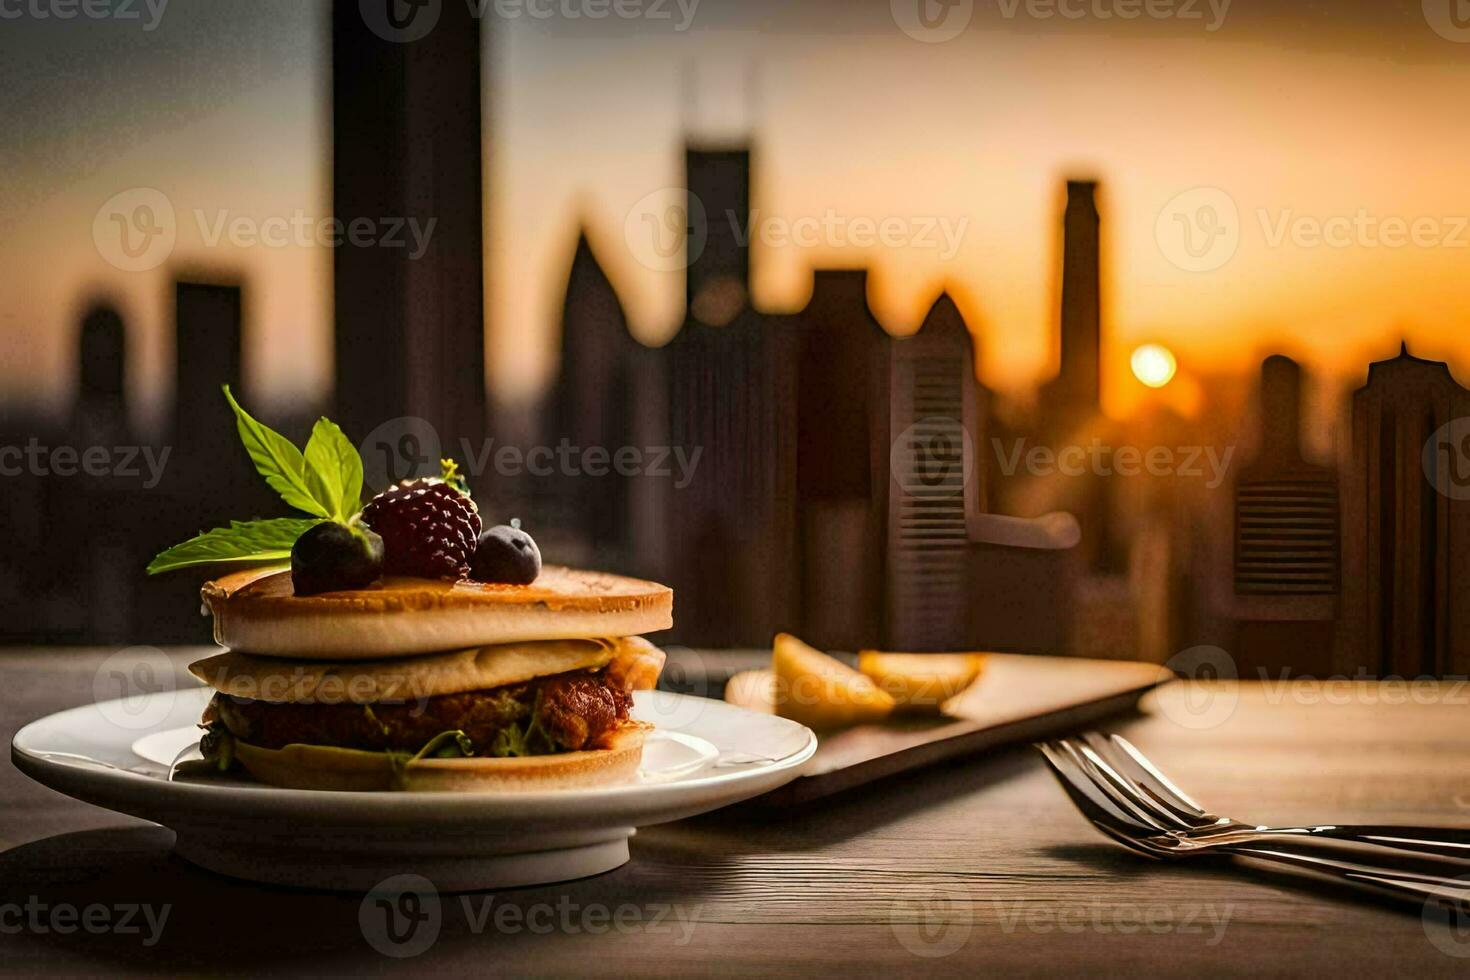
{"x":208,"y":341}
{"x":1406,"y":525}
{"x":410,"y":331}
{"x":91,"y":549}
{"x":1073,"y":396}
{"x":611,"y":394}
{"x":100,"y":413}
{"x":842,"y":460}
{"x":934,"y":434}
{"x":1286,"y":574}
{"x":717,"y":286}
{"x":1070,"y":408}
{"x":731,"y":376}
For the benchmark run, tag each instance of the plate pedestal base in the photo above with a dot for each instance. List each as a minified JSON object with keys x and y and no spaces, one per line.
{"x":362,"y":871}
{"x":701,"y":755}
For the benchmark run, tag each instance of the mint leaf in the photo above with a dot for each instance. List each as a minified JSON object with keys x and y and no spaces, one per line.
{"x":451,"y":475}
{"x":280,"y":462}
{"x":334,"y":470}
{"x":243,"y":541}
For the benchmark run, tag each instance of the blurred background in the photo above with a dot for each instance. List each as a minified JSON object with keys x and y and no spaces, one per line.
{"x":1071,"y":326}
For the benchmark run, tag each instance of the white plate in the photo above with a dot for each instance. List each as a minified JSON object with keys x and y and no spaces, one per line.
{"x":117,"y":754}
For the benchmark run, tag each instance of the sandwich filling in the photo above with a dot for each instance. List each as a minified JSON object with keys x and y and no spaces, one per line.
{"x":526,"y":699}
{"x":570,"y":712}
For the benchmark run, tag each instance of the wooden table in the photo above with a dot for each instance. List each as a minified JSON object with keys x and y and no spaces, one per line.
{"x":974,"y":867}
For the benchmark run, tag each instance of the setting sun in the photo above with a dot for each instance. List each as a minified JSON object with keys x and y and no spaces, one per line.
{"x":1154,"y":365}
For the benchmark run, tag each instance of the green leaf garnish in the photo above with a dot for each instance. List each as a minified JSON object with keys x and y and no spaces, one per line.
{"x":334,"y":471}
{"x":509,"y":742}
{"x":279,"y":461}
{"x":325,"y":482}
{"x":458,"y":746}
{"x":516,"y":739}
{"x":450,"y":474}
{"x":243,"y":541}
{"x":445,"y":745}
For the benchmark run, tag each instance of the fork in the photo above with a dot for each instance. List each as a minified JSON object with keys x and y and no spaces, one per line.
{"x":1126,"y":797}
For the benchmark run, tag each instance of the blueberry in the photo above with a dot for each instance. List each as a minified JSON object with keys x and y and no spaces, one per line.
{"x":506,"y":555}
{"x":331,"y":557}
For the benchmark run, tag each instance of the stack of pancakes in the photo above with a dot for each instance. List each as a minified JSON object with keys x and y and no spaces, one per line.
{"x":418,"y":684}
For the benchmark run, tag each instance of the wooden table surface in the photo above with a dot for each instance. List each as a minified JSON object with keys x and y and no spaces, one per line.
{"x":981,"y":866}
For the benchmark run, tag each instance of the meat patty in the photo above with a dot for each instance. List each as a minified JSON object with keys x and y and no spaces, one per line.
{"x":569,"y":711}
{"x":573,"y":713}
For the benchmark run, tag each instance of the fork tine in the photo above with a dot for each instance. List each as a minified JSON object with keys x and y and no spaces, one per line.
{"x":1125,"y":796}
{"x":1104,"y":798}
{"x":1160,"y":784}
{"x":1098,"y":810}
{"x":1140,"y":782}
{"x":1120,"y":765}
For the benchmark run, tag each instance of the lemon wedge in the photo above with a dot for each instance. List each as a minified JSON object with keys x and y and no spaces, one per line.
{"x":822,"y":692}
{"x":921,"y":681}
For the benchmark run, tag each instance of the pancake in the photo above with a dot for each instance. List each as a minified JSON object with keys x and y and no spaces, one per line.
{"x":632,"y":662}
{"x":321,"y":768}
{"x":257,"y":612}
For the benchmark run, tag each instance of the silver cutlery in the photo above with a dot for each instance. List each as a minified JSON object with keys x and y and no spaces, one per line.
{"x":1130,"y":800}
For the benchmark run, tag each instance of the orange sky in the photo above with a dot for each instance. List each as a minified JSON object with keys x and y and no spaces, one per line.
{"x":852,"y":121}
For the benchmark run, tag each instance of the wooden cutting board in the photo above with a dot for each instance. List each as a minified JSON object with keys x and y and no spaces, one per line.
{"x":1017,"y":699}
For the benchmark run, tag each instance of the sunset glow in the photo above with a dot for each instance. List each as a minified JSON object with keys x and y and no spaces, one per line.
{"x":1299,"y":254}
{"x":1153,"y":364}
